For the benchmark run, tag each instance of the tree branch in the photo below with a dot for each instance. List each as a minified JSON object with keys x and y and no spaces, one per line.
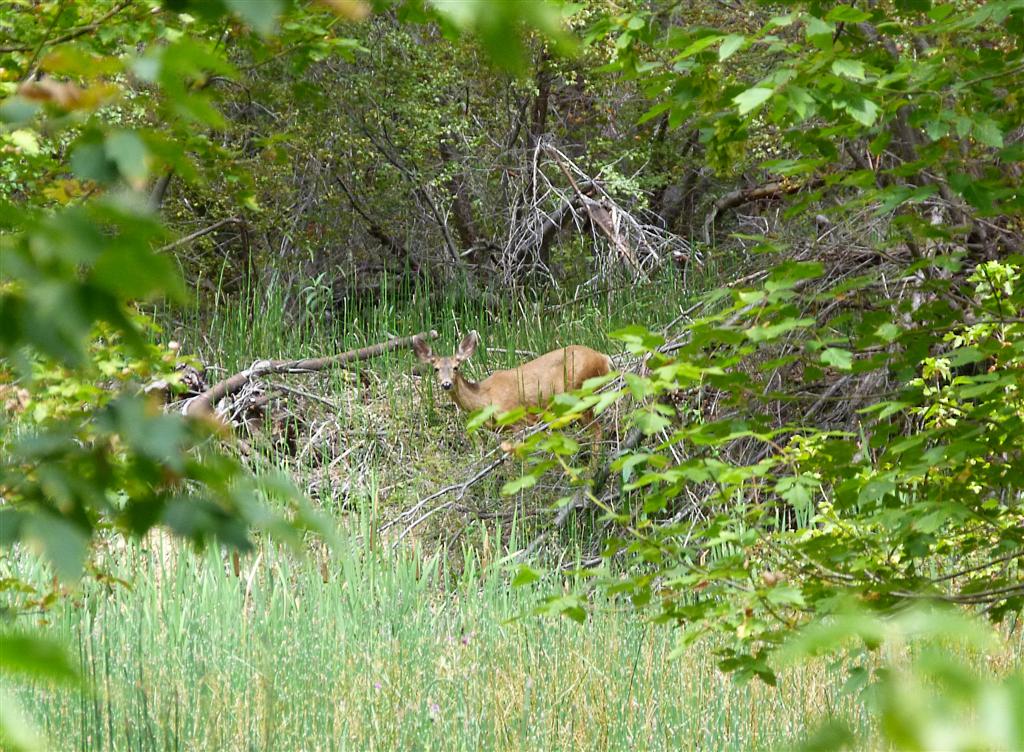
{"x":203,"y":404}
{"x":747,"y":195}
{"x":205,"y":231}
{"x":73,"y":34}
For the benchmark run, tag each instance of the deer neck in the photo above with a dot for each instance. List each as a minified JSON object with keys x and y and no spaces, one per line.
{"x":467,"y":394}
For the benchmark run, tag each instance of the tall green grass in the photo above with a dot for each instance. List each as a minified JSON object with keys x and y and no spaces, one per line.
{"x":373,"y":650}
{"x":274,"y":321}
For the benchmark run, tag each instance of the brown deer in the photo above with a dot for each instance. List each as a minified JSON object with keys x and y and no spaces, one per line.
{"x":532,"y":384}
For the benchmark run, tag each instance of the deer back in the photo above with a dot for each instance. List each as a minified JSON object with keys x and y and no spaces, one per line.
{"x":537,"y":381}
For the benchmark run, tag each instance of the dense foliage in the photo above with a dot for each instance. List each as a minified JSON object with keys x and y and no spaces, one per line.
{"x":842,"y":438}
{"x":829,"y":442}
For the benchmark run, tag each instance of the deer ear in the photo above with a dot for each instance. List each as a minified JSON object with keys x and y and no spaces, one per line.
{"x":468,"y":346}
{"x":422,"y":350}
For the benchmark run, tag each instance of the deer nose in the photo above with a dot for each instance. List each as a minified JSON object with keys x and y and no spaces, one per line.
{"x":446,"y":385}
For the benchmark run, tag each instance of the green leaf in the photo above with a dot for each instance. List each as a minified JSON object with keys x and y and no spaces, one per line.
{"x":800,"y":101}
{"x":17,"y":734}
{"x":136,"y":273}
{"x":576,"y":613}
{"x":261,"y":15}
{"x":128,"y":152}
{"x":888,"y":332}
{"x":498,"y":24}
{"x":788,"y":273}
{"x":158,"y":437}
{"x":861,"y":109}
{"x":18,"y":110}
{"x":752,"y":98}
{"x":36,"y":658}
{"x":914,"y":5}
{"x":841,"y":359}
{"x":830,"y":735}
{"x":856,"y":681}
{"x":147,"y":67}
{"x":64,"y":544}
{"x":1012,"y":153}
{"x":819,"y":33}
{"x":525,"y":575}
{"x":699,"y":46}
{"x":936,"y":129}
{"x":519,"y":484}
{"x":10,"y":525}
{"x":730,"y":45}
{"x":26,"y":141}
{"x":849,"y":68}
{"x":627,"y":463}
{"x":786,"y":595}
{"x":89,"y":161}
{"x":638,"y":339}
{"x":962,"y":356}
{"x":988,"y":133}
{"x":976,"y":192}
{"x":69,"y":60}
{"x":511,"y":417}
{"x":481,"y":417}
{"x":650,"y":422}
{"x":636,"y":23}
{"x":847,"y":14}
{"x":796,"y":490}
{"x":652,"y":113}
{"x":765,"y":332}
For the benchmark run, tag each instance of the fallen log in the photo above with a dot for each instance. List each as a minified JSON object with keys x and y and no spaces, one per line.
{"x":203,"y":404}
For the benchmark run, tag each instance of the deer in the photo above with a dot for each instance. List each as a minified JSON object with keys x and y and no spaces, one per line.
{"x":531,"y":384}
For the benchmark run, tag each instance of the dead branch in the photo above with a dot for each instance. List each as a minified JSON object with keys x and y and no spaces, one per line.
{"x":377,"y":232}
{"x":601,"y":218}
{"x":747,"y":195}
{"x":205,"y":231}
{"x":554,"y":223}
{"x":460,"y":488}
{"x":420,"y":188}
{"x":159,"y":190}
{"x":204,"y":403}
{"x":544,"y":207}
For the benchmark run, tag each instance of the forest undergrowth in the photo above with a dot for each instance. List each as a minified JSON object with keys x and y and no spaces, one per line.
{"x":402,"y":636}
{"x":381,"y":430}
{"x":405,"y":633}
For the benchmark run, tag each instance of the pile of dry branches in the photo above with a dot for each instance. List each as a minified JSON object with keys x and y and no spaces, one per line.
{"x":555,"y":194}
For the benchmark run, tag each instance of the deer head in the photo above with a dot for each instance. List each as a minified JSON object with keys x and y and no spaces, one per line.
{"x":446,"y":370}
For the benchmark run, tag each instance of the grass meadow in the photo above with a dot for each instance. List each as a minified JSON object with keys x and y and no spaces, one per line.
{"x":381,"y":644}
{"x":370,"y":650}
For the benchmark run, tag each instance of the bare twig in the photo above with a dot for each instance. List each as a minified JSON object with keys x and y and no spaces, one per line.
{"x":460,"y":488}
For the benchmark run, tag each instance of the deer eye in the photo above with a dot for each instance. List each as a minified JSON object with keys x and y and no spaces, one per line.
{"x":437,"y":369}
